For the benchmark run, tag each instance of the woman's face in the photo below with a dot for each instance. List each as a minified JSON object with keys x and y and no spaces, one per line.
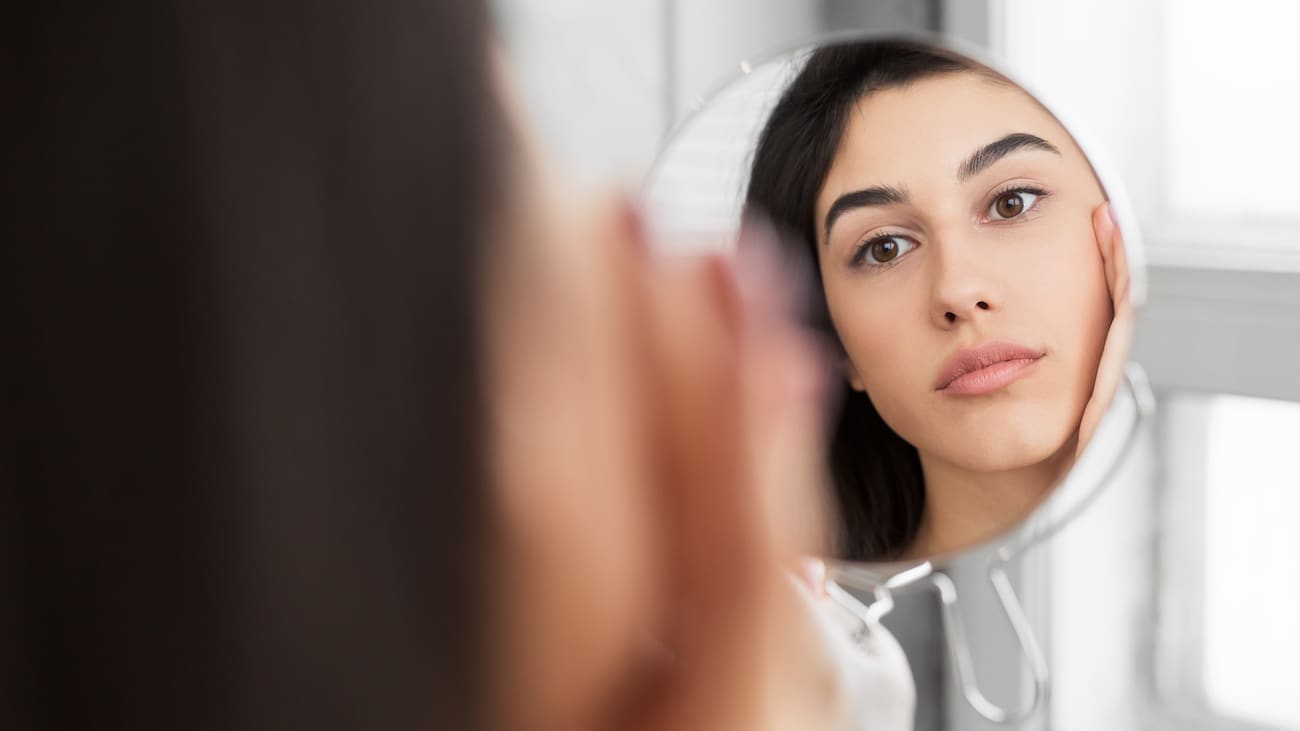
{"x":956,"y":231}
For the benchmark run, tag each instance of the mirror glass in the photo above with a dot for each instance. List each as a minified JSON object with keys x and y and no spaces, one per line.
{"x":963,"y":264}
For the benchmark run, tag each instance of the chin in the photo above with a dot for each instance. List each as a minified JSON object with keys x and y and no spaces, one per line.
{"x":1005,"y":449}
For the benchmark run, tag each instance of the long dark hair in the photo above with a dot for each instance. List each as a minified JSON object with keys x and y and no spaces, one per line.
{"x":877,"y":475}
{"x":241,"y":437}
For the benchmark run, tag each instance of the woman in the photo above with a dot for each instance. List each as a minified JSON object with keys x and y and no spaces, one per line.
{"x":324,"y":408}
{"x":971,"y":275}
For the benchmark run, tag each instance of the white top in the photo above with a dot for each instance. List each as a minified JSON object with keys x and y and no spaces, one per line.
{"x":870,"y":681}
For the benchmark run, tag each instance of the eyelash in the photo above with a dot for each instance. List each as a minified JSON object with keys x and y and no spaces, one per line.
{"x":1016,"y":188}
{"x":860,"y":253}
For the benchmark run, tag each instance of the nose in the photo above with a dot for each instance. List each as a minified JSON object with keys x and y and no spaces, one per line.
{"x":962,"y":289}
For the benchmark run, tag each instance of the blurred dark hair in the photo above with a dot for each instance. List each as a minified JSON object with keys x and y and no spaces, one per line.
{"x":877,"y":475}
{"x":241,"y":431}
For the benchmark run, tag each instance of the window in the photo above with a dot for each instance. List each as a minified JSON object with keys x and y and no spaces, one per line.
{"x":1194,"y":102}
{"x":1227,"y":643}
{"x":1229,"y":79}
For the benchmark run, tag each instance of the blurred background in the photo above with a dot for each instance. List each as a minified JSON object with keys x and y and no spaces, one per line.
{"x":1172,"y":603}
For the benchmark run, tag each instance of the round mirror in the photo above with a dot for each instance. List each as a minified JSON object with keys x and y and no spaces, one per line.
{"x":962,"y":248}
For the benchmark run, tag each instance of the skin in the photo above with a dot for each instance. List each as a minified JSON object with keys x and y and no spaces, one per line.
{"x":654,"y":437}
{"x":965,"y":273}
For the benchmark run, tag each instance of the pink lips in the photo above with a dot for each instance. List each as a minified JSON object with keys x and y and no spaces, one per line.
{"x":983,"y":370}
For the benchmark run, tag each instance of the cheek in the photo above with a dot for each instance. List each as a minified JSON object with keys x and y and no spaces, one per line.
{"x":1074,"y":303}
{"x":884,"y":335}
{"x":1060,"y":297}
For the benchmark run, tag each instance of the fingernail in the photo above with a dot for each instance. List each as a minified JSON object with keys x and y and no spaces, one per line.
{"x":757,"y":269}
{"x":805,"y":375}
{"x":727,"y":290}
{"x":813,"y":572}
{"x":633,"y":224}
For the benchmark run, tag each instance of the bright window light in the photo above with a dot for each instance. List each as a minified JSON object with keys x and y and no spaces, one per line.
{"x":1251,"y":659}
{"x":1232,"y":109}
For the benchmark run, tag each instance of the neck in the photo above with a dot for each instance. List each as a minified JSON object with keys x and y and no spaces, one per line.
{"x":964,"y":507}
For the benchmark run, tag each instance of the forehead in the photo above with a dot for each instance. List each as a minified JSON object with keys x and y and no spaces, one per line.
{"x":922,"y":132}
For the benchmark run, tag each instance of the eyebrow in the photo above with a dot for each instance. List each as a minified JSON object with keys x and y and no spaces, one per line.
{"x":994,"y":151}
{"x":880,"y":195}
{"x":978,"y":162}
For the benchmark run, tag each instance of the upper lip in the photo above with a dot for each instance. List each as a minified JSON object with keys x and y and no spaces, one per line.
{"x":968,"y":360}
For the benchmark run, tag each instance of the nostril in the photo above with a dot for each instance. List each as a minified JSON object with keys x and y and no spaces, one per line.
{"x":982,"y":305}
{"x":950,"y":317}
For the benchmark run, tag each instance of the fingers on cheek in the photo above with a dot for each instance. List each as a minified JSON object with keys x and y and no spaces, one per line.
{"x":1110,"y":243}
{"x":788,"y":385}
{"x":703,"y":464}
{"x":1122,"y":279}
{"x":700,"y":324}
{"x":1104,"y":229}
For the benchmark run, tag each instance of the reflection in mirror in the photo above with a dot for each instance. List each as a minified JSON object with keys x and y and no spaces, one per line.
{"x":968,"y":275}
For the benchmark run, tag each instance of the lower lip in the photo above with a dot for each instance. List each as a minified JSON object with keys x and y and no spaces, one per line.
{"x":990,"y":379}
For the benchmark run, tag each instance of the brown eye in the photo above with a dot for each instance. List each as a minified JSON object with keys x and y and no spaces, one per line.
{"x":882,"y":250}
{"x":1013,"y":203}
{"x":1010,"y":205}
